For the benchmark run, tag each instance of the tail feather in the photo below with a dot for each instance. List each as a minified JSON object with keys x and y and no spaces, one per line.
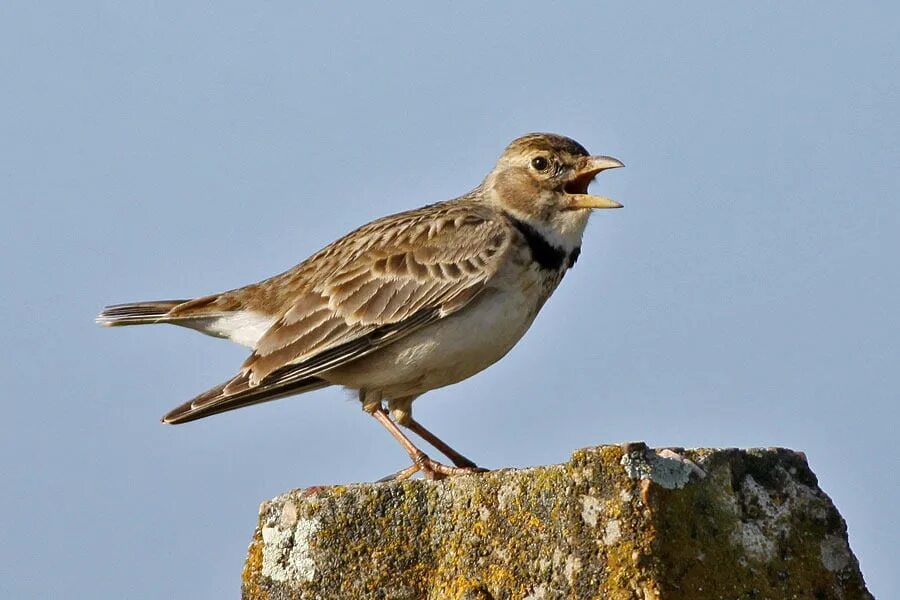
{"x":137,"y":313}
{"x":217,"y":400}
{"x":203,"y":314}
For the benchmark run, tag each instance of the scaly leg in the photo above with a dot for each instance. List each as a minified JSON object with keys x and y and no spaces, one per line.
{"x":372,"y":404}
{"x":401,"y":410}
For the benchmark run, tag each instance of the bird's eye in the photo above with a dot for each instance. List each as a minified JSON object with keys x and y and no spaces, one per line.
{"x":540,"y":163}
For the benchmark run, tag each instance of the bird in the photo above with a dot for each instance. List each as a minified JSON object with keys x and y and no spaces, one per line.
{"x":405,"y":304}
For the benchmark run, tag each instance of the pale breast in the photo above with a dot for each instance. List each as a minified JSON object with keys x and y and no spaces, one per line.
{"x":458,"y":346}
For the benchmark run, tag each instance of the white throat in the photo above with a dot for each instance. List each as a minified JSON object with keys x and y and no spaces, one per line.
{"x":563,"y":230}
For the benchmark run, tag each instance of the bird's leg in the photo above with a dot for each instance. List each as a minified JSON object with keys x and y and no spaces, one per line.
{"x":401,"y":411}
{"x":432,"y":469}
{"x":458,"y":459}
{"x":421,"y":462}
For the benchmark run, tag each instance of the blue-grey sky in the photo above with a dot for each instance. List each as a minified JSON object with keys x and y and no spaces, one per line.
{"x":747,"y":295}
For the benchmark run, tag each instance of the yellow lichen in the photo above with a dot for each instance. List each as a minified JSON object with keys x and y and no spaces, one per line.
{"x":252,"y":569}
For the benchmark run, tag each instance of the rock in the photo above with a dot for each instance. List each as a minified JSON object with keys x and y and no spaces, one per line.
{"x":614,"y":523}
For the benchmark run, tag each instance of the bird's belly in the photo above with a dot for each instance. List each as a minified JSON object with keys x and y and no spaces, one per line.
{"x":445,"y":352}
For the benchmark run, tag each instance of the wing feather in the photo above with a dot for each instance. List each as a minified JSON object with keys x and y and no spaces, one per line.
{"x":396,"y":282}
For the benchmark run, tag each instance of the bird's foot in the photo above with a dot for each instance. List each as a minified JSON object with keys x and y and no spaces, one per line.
{"x":432,"y":469}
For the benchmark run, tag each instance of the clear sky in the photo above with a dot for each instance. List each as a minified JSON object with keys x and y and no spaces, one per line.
{"x":747,"y":294}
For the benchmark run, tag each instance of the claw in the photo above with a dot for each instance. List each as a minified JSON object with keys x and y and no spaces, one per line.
{"x":401,"y":475}
{"x":431,"y":470}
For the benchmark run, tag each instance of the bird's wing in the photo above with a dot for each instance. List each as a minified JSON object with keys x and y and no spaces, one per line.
{"x":379,"y":284}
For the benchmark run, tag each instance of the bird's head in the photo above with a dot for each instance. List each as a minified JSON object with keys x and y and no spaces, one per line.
{"x":543,"y":178}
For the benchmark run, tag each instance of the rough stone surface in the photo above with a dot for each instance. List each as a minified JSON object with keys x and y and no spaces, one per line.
{"x":615,"y":522}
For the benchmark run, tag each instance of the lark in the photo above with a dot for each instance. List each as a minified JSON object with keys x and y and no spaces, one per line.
{"x":405,"y":304}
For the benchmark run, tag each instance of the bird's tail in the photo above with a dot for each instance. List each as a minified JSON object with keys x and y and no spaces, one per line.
{"x":138,"y":313}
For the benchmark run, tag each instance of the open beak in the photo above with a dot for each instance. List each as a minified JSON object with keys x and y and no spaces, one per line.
{"x":576,"y":187}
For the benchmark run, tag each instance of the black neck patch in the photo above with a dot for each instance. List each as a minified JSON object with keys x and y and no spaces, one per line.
{"x":573,"y":256}
{"x":545,"y":254}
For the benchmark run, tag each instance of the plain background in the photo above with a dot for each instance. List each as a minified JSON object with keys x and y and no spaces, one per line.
{"x":747,"y":295}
